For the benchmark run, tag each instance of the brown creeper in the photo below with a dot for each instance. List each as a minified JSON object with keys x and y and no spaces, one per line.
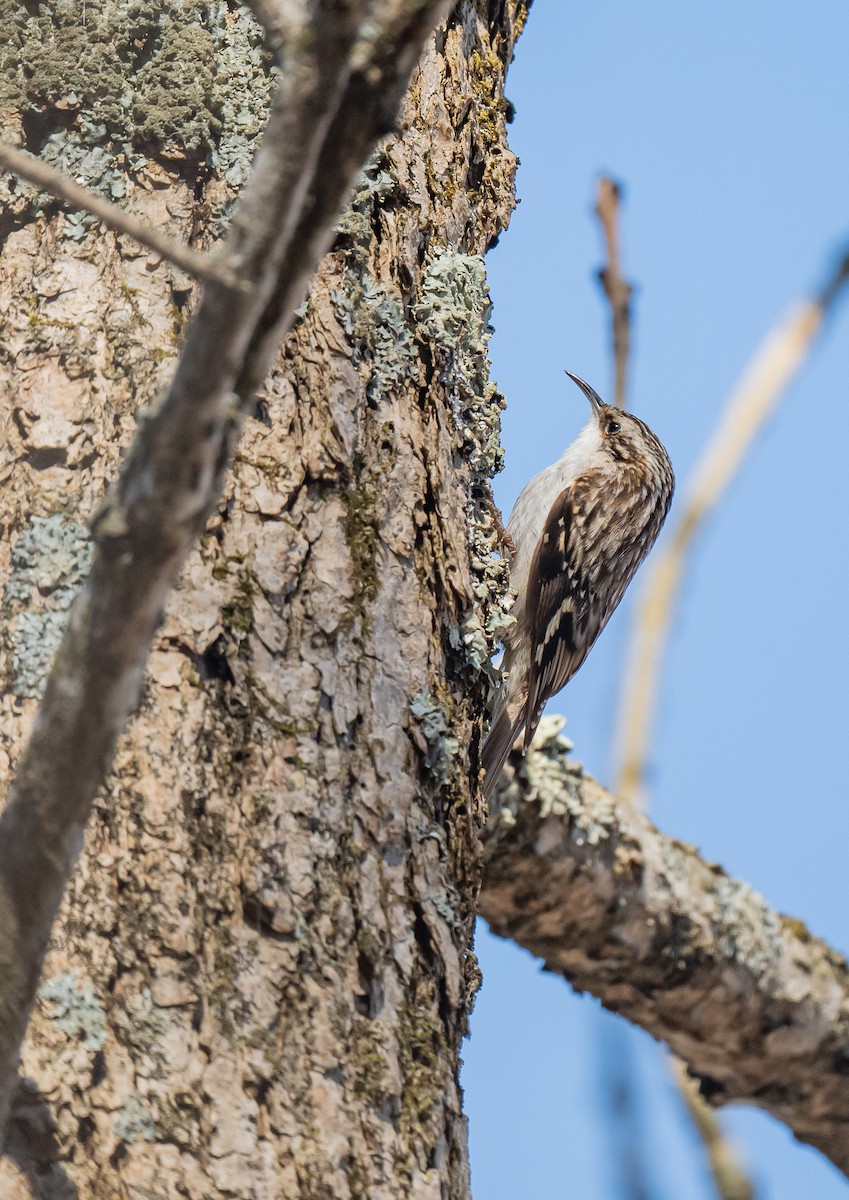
{"x":580,"y":530}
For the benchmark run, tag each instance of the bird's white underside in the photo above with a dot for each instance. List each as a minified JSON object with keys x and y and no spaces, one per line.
{"x":534,"y":504}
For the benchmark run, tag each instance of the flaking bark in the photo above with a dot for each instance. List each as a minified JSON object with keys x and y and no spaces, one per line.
{"x":756,"y":1006}
{"x":262,"y":969}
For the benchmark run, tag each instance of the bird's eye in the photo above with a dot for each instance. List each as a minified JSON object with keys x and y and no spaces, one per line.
{"x":613,"y":426}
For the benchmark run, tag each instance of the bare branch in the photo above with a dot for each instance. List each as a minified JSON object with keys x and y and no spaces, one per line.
{"x":618,"y":1067}
{"x":283,"y":22}
{"x":339,"y":93}
{"x":27,"y":166}
{"x":729,"y":1178}
{"x":616,"y":289}
{"x":728,"y":1175}
{"x":753,"y":1003}
{"x":775,"y":363}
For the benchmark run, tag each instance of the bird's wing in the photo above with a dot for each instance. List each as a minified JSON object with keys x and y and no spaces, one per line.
{"x":565,"y":613}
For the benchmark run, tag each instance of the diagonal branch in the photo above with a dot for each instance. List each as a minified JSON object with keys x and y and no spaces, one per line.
{"x":751,"y":404}
{"x":337,"y":95}
{"x":27,"y":166}
{"x":755,"y":1005}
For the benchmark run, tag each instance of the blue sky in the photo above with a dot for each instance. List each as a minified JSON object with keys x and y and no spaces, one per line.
{"x":727,"y":125}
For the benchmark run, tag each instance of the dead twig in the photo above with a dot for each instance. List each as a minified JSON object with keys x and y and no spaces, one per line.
{"x":730,"y":1179}
{"x":777,"y":360}
{"x":719,"y":1152}
{"x":616,"y":289}
{"x":779,"y":357}
{"x":618,"y":1066}
{"x":27,"y":166}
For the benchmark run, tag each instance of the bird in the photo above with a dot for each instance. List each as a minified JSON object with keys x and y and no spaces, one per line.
{"x":576,"y":536}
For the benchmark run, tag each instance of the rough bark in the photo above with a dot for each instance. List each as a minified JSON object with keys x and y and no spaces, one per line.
{"x":355,"y":58}
{"x":262,"y":969}
{"x":755,"y":1005}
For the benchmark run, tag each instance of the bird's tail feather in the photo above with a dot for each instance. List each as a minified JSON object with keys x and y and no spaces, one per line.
{"x":496,"y":749}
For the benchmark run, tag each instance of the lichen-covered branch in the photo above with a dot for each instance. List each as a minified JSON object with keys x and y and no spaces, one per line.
{"x":338,"y":92}
{"x":755,"y":1005}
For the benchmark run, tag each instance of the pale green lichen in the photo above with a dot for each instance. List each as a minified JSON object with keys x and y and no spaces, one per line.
{"x":241,"y":94}
{"x":374,"y":184}
{"x":470,"y":640}
{"x":443,"y":747}
{"x":75,"y":1010}
{"x":373,"y":318}
{"x":134,"y":1123}
{"x":50,"y":559}
{"x":750,"y":931}
{"x":453,"y":312}
{"x":484,"y":627}
{"x":555,"y":782}
{"x":102,"y":90}
{"x":35,"y":640}
{"x":52,"y":554}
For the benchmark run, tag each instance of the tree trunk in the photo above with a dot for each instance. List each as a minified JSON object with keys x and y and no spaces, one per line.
{"x":263,"y":967}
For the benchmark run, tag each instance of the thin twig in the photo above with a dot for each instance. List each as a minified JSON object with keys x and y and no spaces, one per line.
{"x":49,"y":179}
{"x":775,"y":363}
{"x":616,"y":289}
{"x":618,"y":1066}
{"x":730,"y":1179}
{"x":620,"y":1079}
{"x":717,"y":1149}
{"x":779,"y":357}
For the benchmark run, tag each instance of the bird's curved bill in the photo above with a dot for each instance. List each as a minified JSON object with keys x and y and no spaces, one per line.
{"x":592,"y":395}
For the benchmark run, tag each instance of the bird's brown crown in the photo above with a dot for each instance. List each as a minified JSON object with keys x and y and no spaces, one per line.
{"x":630,"y":442}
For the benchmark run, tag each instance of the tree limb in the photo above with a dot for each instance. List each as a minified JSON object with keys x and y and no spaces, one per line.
{"x":31,"y":168}
{"x":337,"y":95}
{"x":755,"y":1005}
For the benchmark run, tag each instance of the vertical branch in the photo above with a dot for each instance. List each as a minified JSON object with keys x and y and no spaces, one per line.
{"x":618,"y":1065}
{"x":615,"y":288}
{"x":728,"y":1175}
{"x":750,"y":405}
